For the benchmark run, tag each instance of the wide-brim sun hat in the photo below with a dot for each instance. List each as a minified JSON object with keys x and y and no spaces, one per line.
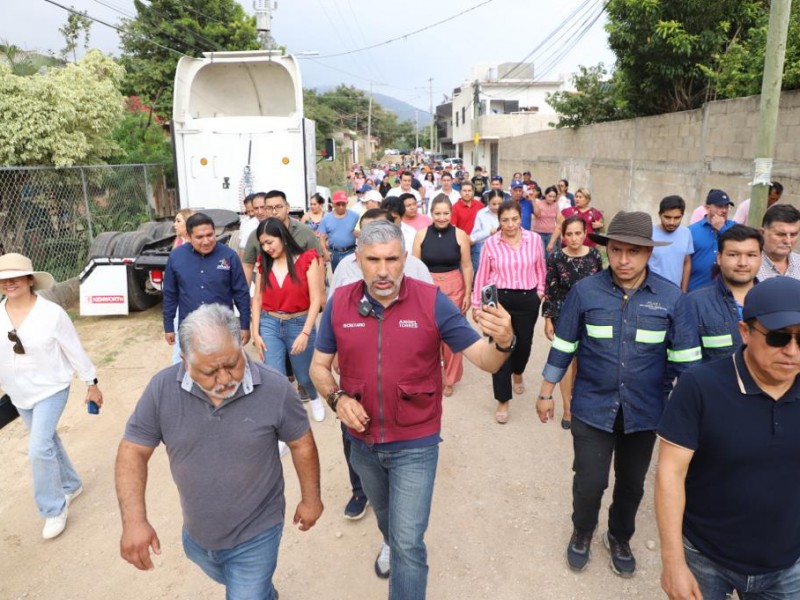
{"x":16,"y":265}
{"x":629,"y":227}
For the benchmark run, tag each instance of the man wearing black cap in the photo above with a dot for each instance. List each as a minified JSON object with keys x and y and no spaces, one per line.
{"x":727,"y":485}
{"x":704,"y":237}
{"x":621,"y":325}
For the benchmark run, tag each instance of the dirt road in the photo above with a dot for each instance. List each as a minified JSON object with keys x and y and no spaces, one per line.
{"x":499,"y":524}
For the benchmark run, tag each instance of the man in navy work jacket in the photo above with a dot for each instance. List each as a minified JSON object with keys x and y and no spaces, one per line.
{"x":728,"y":484}
{"x":621,"y":325}
{"x":714,"y":311}
{"x":203,"y":272}
{"x":393,"y":408}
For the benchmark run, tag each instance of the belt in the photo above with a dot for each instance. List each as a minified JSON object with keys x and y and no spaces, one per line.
{"x":332,"y":249}
{"x":284,"y":316}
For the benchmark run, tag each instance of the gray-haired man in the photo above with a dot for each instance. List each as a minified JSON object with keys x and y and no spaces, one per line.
{"x":391,"y":407}
{"x":220,"y":417}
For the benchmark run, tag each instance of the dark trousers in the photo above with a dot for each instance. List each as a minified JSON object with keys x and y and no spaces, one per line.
{"x":593,"y":451}
{"x":355,"y":480}
{"x":523,"y":306}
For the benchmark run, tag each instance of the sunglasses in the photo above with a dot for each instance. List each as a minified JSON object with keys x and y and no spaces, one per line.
{"x":13,"y":337}
{"x":776,"y":339}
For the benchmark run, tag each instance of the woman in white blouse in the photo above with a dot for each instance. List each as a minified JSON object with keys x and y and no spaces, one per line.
{"x":37,"y":360}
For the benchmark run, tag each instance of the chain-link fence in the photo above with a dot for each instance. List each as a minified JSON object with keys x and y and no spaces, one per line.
{"x":53,"y":215}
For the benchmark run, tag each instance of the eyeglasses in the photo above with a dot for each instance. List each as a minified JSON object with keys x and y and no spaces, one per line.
{"x":275,"y":208}
{"x":776,"y":339}
{"x":13,"y":337}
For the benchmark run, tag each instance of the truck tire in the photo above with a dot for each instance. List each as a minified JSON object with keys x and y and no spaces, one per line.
{"x":103,"y":244}
{"x":138,"y":298}
{"x":130,"y":243}
{"x":151,"y":228}
{"x":165,"y":229}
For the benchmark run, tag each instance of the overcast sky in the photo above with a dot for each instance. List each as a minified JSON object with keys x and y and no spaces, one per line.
{"x":496,"y":31}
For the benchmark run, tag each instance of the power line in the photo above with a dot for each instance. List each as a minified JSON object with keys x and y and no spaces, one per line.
{"x":407,"y":35}
{"x":589,"y":23}
{"x":118,"y":29}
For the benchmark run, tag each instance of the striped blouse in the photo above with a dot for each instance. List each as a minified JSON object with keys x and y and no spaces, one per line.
{"x":508,"y":268}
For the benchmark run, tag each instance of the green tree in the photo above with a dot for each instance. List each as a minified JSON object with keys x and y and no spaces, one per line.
{"x":77,"y":24}
{"x":63,"y":117}
{"x":163,"y":30}
{"x":666,"y":48}
{"x":141,"y":137}
{"x":594,"y":100}
{"x":739,"y":70}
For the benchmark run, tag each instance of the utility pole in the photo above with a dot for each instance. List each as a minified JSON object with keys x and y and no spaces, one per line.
{"x":416,"y":129}
{"x":768,"y":110}
{"x":263,"y":10}
{"x":476,"y":129}
{"x":369,"y":125}
{"x":433,"y":120}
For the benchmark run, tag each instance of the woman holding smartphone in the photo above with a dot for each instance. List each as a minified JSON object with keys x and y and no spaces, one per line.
{"x":513,"y":260}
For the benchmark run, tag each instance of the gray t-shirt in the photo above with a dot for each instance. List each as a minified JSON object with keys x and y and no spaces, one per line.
{"x":223,"y":459}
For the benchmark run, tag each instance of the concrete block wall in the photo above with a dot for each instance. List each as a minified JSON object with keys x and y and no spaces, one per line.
{"x":631,"y":165}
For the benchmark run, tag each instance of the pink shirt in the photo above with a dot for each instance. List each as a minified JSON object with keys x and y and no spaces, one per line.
{"x":509,"y":268}
{"x":419,"y":222}
{"x":546,"y":222}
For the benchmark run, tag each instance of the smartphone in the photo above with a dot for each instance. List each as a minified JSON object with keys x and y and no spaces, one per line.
{"x":489,"y":295}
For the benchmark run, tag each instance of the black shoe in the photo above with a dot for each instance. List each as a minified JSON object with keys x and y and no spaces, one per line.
{"x":303,"y":393}
{"x":356,"y":508}
{"x":579,"y":550}
{"x":622,"y":561}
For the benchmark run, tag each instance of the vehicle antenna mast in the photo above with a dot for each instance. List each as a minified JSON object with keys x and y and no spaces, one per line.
{"x":264,"y":10}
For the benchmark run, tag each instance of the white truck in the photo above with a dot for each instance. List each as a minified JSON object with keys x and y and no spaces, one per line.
{"x":237,"y":128}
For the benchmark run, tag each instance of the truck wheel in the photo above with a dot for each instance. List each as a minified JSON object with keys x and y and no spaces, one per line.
{"x":151,"y":228}
{"x":130,"y":244}
{"x":103,"y":244}
{"x":138,"y":298}
{"x":165,"y":230}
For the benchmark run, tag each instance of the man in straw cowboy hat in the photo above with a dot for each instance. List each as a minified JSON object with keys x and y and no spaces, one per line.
{"x":37,"y":360}
{"x":621,"y":325}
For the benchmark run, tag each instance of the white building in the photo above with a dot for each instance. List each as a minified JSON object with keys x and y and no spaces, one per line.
{"x":498,"y":101}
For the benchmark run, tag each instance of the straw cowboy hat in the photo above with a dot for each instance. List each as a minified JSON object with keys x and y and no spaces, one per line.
{"x":630,"y":227}
{"x":15,"y":265}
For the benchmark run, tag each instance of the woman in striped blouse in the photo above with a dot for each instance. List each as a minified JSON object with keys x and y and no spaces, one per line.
{"x":513,"y":260}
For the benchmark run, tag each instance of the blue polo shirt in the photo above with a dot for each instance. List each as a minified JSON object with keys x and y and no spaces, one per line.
{"x":743,"y":482}
{"x":629,"y":347}
{"x":704,"y":239}
{"x":339,"y":229}
{"x":192,"y":279}
{"x":526,"y":213}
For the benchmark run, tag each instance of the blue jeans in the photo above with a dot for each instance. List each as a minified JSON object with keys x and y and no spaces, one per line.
{"x":545,"y":240}
{"x":279,"y":335}
{"x":53,"y":473}
{"x":475,"y":255}
{"x":336,"y":256}
{"x":399,"y":486}
{"x":245,"y":570}
{"x":716,"y":582}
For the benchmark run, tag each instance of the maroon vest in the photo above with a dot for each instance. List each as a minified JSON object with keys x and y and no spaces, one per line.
{"x":392,"y":364}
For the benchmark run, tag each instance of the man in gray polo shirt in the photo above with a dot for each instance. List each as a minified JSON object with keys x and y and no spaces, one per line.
{"x":220,"y":417}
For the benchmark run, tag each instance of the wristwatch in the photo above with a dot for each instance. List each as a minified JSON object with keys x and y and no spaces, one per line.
{"x":510,"y":348}
{"x":333,"y":398}
{"x":92,"y":382}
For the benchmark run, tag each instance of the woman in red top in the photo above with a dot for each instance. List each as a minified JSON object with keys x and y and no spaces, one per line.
{"x":285,"y":306}
{"x":591,"y":216}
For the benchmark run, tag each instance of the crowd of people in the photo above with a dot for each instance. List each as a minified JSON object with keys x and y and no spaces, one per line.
{"x":691,"y":334}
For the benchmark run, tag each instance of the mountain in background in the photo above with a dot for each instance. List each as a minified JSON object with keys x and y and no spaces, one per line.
{"x":403,"y":110}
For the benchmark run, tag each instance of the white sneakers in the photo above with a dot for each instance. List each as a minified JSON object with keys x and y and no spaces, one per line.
{"x":317,"y":410}
{"x":54,"y":526}
{"x":72,"y":495}
{"x":383,"y":564}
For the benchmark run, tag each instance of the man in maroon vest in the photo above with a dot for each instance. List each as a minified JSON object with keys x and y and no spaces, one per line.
{"x":393,"y":408}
